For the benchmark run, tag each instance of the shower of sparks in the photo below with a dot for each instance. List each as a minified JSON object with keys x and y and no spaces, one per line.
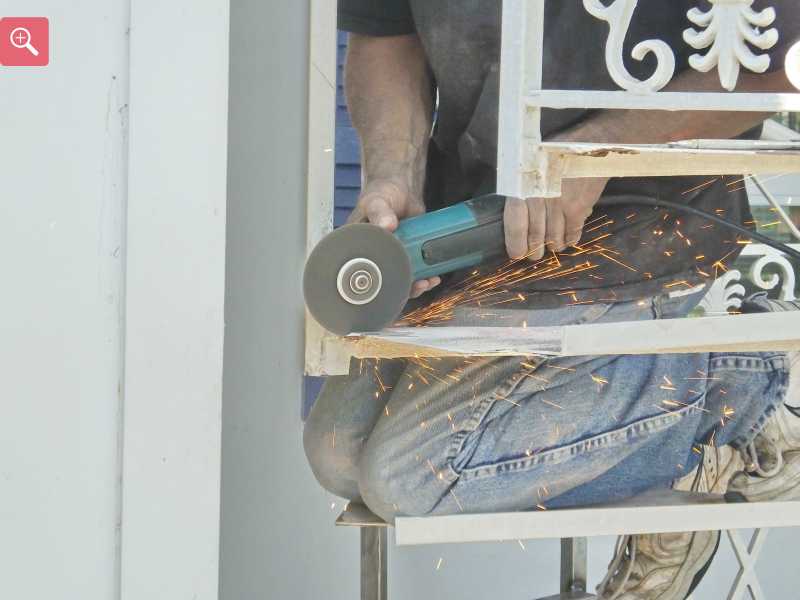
{"x":493,"y":289}
{"x":500,"y":288}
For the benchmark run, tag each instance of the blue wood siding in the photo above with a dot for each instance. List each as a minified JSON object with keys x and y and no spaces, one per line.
{"x":348,"y":152}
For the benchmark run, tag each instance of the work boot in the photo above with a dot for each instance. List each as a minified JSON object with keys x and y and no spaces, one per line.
{"x":669,"y":566}
{"x":772,"y":459}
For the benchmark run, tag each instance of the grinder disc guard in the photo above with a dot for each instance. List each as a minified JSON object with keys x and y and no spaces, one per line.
{"x":357,"y":279}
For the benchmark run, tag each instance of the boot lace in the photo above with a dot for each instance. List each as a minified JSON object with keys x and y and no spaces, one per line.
{"x":624,"y":559}
{"x":753,"y":462}
{"x":625,"y":552}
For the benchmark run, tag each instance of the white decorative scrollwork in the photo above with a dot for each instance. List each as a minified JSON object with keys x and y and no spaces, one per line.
{"x":618,"y":15}
{"x":727,"y":26}
{"x":787,"y":275}
{"x":792,"y":65}
{"x":723,"y":296}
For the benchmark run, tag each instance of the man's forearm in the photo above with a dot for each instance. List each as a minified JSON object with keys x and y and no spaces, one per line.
{"x":644,"y":126}
{"x":390,"y":101}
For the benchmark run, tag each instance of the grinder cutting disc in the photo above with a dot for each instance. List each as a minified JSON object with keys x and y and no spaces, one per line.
{"x":358,"y":278}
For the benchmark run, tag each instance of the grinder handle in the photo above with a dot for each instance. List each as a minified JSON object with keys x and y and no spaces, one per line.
{"x":456,"y":237}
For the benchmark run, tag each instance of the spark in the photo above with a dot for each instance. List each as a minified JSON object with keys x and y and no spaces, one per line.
{"x":552,"y":404}
{"x":678,"y":403}
{"x":677,"y":283}
{"x":521,"y":545}
{"x":698,"y":187}
{"x":509,"y":401}
{"x":461,"y":508}
{"x":727,"y":414}
{"x":333,"y":438}
{"x":439,"y":564}
{"x":559,"y":368}
{"x":608,"y":222}
{"x":601,"y":381}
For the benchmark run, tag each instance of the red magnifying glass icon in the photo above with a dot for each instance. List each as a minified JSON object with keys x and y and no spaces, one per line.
{"x":21,"y":38}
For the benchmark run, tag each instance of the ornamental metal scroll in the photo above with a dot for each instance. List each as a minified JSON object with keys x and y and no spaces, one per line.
{"x":727,"y":26}
{"x":727,"y":291}
{"x":786,"y":270}
{"x":726,"y":30}
{"x":618,"y":15}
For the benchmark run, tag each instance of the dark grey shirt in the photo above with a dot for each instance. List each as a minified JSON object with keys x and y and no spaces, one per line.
{"x":654,"y":250}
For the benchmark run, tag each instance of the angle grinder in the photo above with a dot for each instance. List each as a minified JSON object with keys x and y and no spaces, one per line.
{"x":358,"y":277}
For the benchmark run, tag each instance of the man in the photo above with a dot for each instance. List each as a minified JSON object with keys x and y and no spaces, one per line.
{"x":424,"y":437}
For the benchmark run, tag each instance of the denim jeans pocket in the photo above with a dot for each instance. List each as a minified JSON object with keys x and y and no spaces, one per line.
{"x":484,"y":453}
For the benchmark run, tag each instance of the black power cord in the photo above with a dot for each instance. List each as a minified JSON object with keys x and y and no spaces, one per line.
{"x":644,"y":200}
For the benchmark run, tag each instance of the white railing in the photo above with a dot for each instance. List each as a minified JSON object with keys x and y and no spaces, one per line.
{"x":529,"y":166}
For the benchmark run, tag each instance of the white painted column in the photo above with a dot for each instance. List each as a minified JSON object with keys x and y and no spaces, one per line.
{"x":174,"y":299}
{"x":62,"y":193}
{"x":111,"y":302}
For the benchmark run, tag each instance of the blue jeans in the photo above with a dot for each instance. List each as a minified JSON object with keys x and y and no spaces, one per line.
{"x":443,"y":436}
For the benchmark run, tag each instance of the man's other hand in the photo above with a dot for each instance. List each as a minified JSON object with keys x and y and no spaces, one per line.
{"x":385,"y":204}
{"x":535,"y":224}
